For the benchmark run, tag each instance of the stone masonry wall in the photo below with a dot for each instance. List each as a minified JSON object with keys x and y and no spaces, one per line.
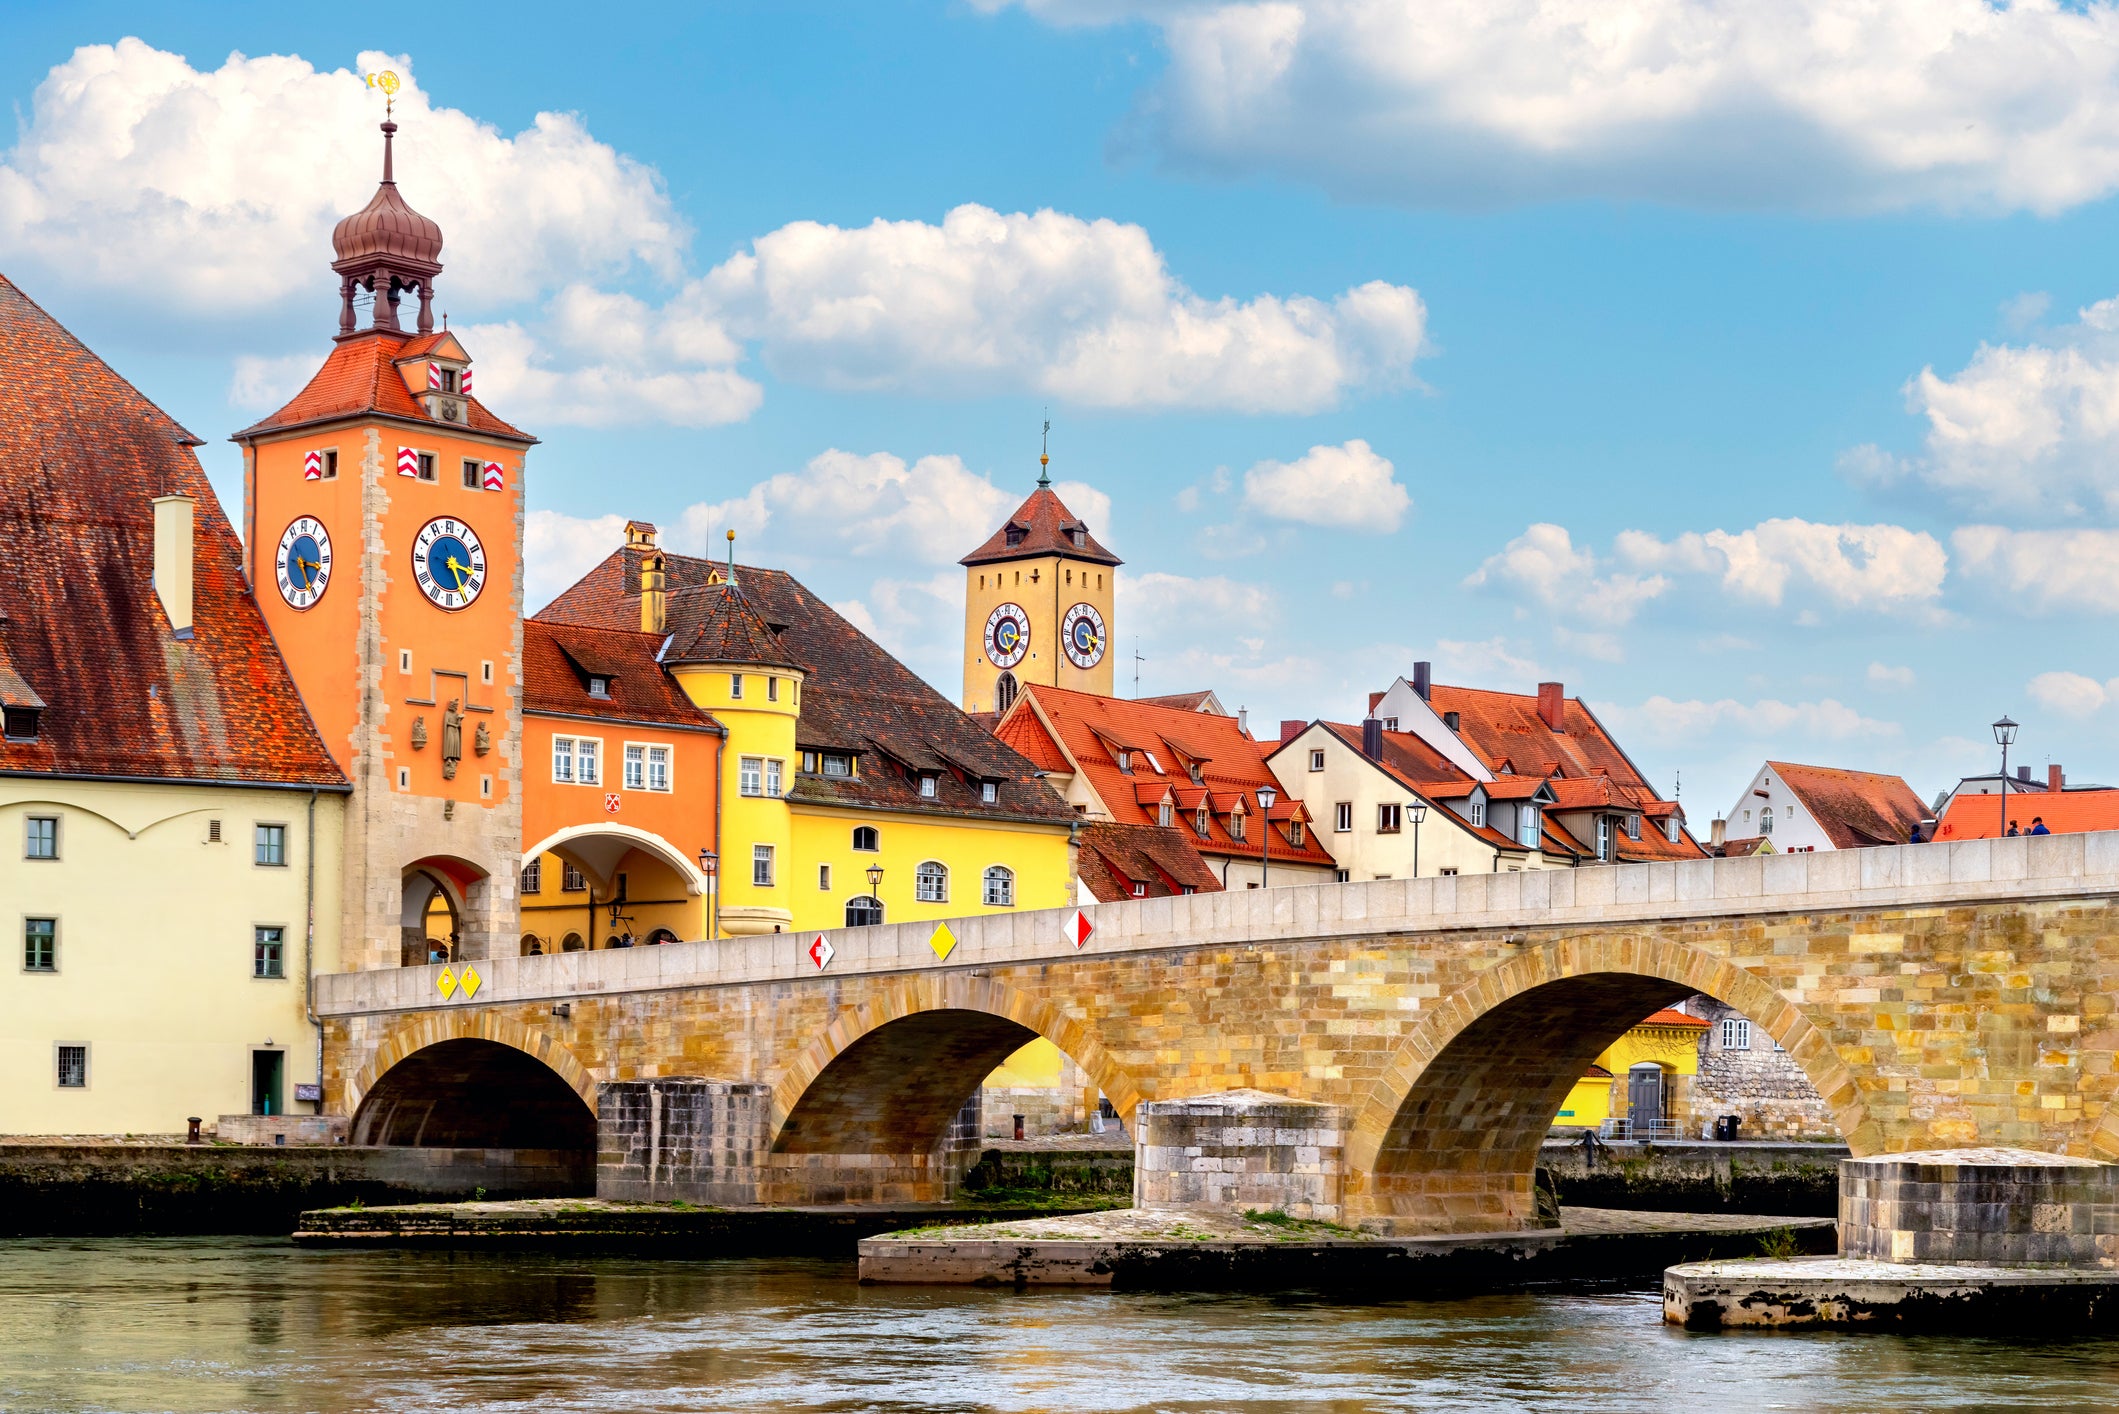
{"x":1761,"y":1085}
{"x":702,"y":1141}
{"x":1980,"y":1207}
{"x":1242,"y":1150}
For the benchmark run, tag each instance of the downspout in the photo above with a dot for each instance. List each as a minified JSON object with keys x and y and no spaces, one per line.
{"x":309,"y":951}
{"x":713,"y":885}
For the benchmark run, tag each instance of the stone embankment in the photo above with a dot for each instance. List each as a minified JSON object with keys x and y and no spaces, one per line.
{"x":1744,"y":1176}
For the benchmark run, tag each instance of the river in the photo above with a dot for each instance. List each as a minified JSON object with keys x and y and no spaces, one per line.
{"x":242,"y":1324}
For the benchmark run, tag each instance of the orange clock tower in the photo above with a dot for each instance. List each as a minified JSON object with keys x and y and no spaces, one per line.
{"x":384,"y":525}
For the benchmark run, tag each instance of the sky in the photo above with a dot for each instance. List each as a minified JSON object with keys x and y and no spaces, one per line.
{"x":1753,"y":371}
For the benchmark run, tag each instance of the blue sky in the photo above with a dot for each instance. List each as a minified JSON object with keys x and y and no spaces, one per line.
{"x":1746,"y":373}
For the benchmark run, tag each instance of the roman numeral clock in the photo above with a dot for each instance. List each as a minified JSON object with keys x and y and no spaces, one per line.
{"x":449,"y":561}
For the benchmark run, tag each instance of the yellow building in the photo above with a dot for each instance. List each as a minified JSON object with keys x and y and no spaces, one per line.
{"x":1654,"y":1062}
{"x":171,"y":825}
{"x":849,"y":791}
{"x":1037,"y":606}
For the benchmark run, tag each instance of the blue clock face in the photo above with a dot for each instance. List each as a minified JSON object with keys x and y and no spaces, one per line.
{"x":449,"y":562}
{"x":303,"y":565}
{"x":1082,"y":632}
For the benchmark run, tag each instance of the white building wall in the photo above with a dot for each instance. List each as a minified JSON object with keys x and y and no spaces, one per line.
{"x":1363,"y":852}
{"x":1794,"y":828}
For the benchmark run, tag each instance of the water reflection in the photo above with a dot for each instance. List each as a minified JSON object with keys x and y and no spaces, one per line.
{"x":220,"y":1324}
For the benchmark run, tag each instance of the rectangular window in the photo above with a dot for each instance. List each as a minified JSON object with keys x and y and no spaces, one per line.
{"x":761,"y":865}
{"x":1343,"y":817}
{"x":1527,"y":833}
{"x":1390,"y":724}
{"x":1140,"y":891}
{"x":1164,"y":814}
{"x":40,"y":945}
{"x":750,"y":775}
{"x":1339,"y":876}
{"x":1673,"y":829}
{"x":735,"y":687}
{"x":658,"y":768}
{"x":824,"y":877}
{"x":42,"y":838}
{"x":1736,"y":1034}
{"x":427,"y":470}
{"x":772,"y":778}
{"x":1388,"y":819}
{"x":1200,"y":823}
{"x":1633,"y":827}
{"x":73,"y":1067}
{"x":635,"y":767}
{"x":448,"y":380}
{"x":1603,"y":837}
{"x":1479,"y":813}
{"x":772,"y":689}
{"x":1295,"y":833}
{"x":928,"y":785}
{"x":331,"y":464}
{"x":571,"y":880}
{"x":1236,"y":819}
{"x":990,"y":792}
{"x":474,"y":477}
{"x":271,"y":844}
{"x":533,"y":876}
{"x":1447,"y":873}
{"x":1317,"y":761}
{"x":837,"y":765}
{"x":268,"y":952}
{"x":563,"y":760}
{"x":586,"y":755}
{"x":600,"y":688}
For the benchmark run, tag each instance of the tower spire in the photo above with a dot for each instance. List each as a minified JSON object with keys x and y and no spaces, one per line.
{"x":732,"y":559}
{"x":1044,"y":456}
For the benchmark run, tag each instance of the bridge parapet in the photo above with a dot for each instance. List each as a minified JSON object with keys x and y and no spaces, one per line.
{"x":1905,"y":876}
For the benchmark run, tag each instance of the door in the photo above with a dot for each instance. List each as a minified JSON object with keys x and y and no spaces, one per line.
{"x":266,"y":1072}
{"x":1644,"y":1099}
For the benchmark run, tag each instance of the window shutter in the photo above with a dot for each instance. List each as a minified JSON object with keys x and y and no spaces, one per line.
{"x":434,"y":376}
{"x":496,"y":477}
{"x":313,"y":466}
{"x":465,"y":382}
{"x":408,"y":462}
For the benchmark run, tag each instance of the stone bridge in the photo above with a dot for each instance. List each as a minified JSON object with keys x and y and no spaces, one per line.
{"x":1938,"y":995}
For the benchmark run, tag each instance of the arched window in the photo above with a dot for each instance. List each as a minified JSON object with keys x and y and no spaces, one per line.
{"x":1765,"y":821}
{"x":1004,"y":690}
{"x":1000,"y":887}
{"x":532,"y":945}
{"x":661,"y":936}
{"x":862,"y":911}
{"x":864,"y":838}
{"x":570,"y":943}
{"x":612,"y":942}
{"x":930,"y":882}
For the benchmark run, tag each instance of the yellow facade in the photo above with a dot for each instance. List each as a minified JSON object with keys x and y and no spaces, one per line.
{"x":758,"y":705}
{"x":1045,"y":588}
{"x":156,"y":913}
{"x":1596,"y":1098}
{"x":832,"y":872}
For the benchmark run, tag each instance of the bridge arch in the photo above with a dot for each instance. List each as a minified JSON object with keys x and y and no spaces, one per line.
{"x":465,"y":1080}
{"x":597,"y":849}
{"x":889,"y":1074}
{"x":1447,"y":1138}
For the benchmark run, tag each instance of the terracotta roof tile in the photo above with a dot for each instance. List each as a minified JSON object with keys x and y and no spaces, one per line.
{"x":360,"y":379}
{"x":2071,"y":812}
{"x":558,"y":660}
{"x":1042,"y":525}
{"x":719,"y":624}
{"x":1855,"y":808}
{"x":82,"y":454}
{"x":1116,"y":857}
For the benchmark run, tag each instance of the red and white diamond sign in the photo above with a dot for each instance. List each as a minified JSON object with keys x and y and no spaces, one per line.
{"x":821,"y":952}
{"x":1078,"y":927}
{"x":313,"y":467}
{"x":496,"y":478}
{"x":610,"y":803}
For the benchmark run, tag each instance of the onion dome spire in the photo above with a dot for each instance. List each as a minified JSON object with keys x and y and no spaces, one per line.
{"x":388,"y":249}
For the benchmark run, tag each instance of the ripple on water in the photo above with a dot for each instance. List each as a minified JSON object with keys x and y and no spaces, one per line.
{"x":231,"y":1324}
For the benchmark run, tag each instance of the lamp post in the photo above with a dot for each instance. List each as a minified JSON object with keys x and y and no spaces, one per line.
{"x":2005,"y":733}
{"x":1266,"y":796}
{"x":1419,"y":812}
{"x":710,"y":865}
{"x":875,"y":886}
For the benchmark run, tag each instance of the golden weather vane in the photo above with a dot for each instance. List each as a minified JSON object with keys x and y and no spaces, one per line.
{"x":387,"y":82}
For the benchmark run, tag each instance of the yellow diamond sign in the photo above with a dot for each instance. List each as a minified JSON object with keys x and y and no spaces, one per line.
{"x":469,"y":983}
{"x":943,"y":942}
{"x":446,"y":984}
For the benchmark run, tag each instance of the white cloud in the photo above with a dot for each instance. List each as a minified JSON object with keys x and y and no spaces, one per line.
{"x":262,"y":384}
{"x":1816,"y":104}
{"x":2072,"y":694}
{"x":2029,"y":429}
{"x":1824,"y":720}
{"x":1492,"y":663}
{"x":1604,"y":647}
{"x":602,"y":382}
{"x":1171,"y":606}
{"x":2043,"y":571}
{"x":559,"y":549}
{"x":1881,"y":568}
{"x":1077,"y":309}
{"x":920,"y":622}
{"x":1543,"y":565}
{"x":217,"y":189}
{"x":1348,"y":487}
{"x":1884,"y":675}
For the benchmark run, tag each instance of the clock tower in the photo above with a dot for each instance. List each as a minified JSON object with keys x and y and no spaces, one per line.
{"x":383,"y":538}
{"x":1037,"y":604}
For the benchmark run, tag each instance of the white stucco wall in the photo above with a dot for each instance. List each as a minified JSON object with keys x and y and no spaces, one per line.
{"x":1794,"y":828}
{"x":1364,"y":852}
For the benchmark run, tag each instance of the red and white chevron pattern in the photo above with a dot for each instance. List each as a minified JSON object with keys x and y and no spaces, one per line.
{"x":434,"y":376}
{"x":313,"y":467}
{"x":466,"y":382}
{"x":407,"y":462}
{"x":496,"y":479}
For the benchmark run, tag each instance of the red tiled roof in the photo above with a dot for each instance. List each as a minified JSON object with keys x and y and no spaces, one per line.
{"x":2071,"y":812}
{"x":1115,"y":857}
{"x":855,"y":697}
{"x":1742,"y":848}
{"x":1669,"y":1017}
{"x":360,"y":379}
{"x":1232,"y":765}
{"x":1188,"y":701}
{"x":719,"y":624}
{"x":1855,"y":808}
{"x":1418,"y":767}
{"x":558,"y":660}
{"x":82,"y":454}
{"x":1046,"y":527}
{"x":1505,"y":726}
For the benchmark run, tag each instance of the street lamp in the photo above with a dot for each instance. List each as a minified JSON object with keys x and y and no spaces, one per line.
{"x":1419,"y":812}
{"x":1266,"y":796}
{"x":710,"y":865}
{"x":2005,"y":733}
{"x":875,"y":882}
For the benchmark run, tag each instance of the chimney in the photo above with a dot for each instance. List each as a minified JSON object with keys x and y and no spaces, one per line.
{"x":1290,"y":728}
{"x":1243,"y":720}
{"x":1421,"y":682}
{"x":2054,"y":780}
{"x":1718,"y":832}
{"x":1552,"y":705}
{"x":2023,"y":774}
{"x":173,"y":556}
{"x":654,"y":598}
{"x":1372,"y":738}
{"x":1374,"y":698}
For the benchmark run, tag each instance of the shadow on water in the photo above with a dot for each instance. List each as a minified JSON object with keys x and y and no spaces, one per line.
{"x":219,"y":1324}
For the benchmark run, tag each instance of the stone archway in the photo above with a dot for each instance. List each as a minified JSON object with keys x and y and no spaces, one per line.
{"x":1447,"y":1138}
{"x":434,"y":1028}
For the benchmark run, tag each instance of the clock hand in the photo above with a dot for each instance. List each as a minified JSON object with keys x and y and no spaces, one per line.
{"x":458,"y":571}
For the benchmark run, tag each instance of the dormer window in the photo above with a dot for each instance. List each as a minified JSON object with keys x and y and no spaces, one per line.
{"x":1193,"y":771}
{"x":19,"y":723}
{"x":1199,"y":823}
{"x":929,"y":784}
{"x":599,"y":687}
{"x":1164,"y":814}
{"x":1125,"y":762}
{"x":1236,"y":824}
{"x":1016,"y":534}
{"x":1633,"y":827}
{"x":1295,"y":833}
{"x":1080,"y":536}
{"x":1673,"y":828}
{"x":448,"y":380}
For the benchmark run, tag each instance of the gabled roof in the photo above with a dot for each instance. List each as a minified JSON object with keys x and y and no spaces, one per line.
{"x":1505,"y":727}
{"x":2068,"y":812}
{"x":855,"y":696}
{"x":1046,"y":527}
{"x":1187,"y":701}
{"x":1421,"y":769}
{"x":1855,"y":809}
{"x":82,"y":454}
{"x":360,"y":379}
{"x":718,"y":624}
{"x":558,"y":660}
{"x":1115,"y":857}
{"x":1670,"y":1017}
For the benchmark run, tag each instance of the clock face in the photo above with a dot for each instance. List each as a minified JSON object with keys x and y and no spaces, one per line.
{"x":1082,"y":634}
{"x":1007,"y":635}
{"x":303,"y":565}
{"x":450,"y":562}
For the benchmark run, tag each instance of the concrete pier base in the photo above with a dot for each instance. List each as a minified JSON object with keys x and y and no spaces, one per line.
{"x":1853,"y":1294}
